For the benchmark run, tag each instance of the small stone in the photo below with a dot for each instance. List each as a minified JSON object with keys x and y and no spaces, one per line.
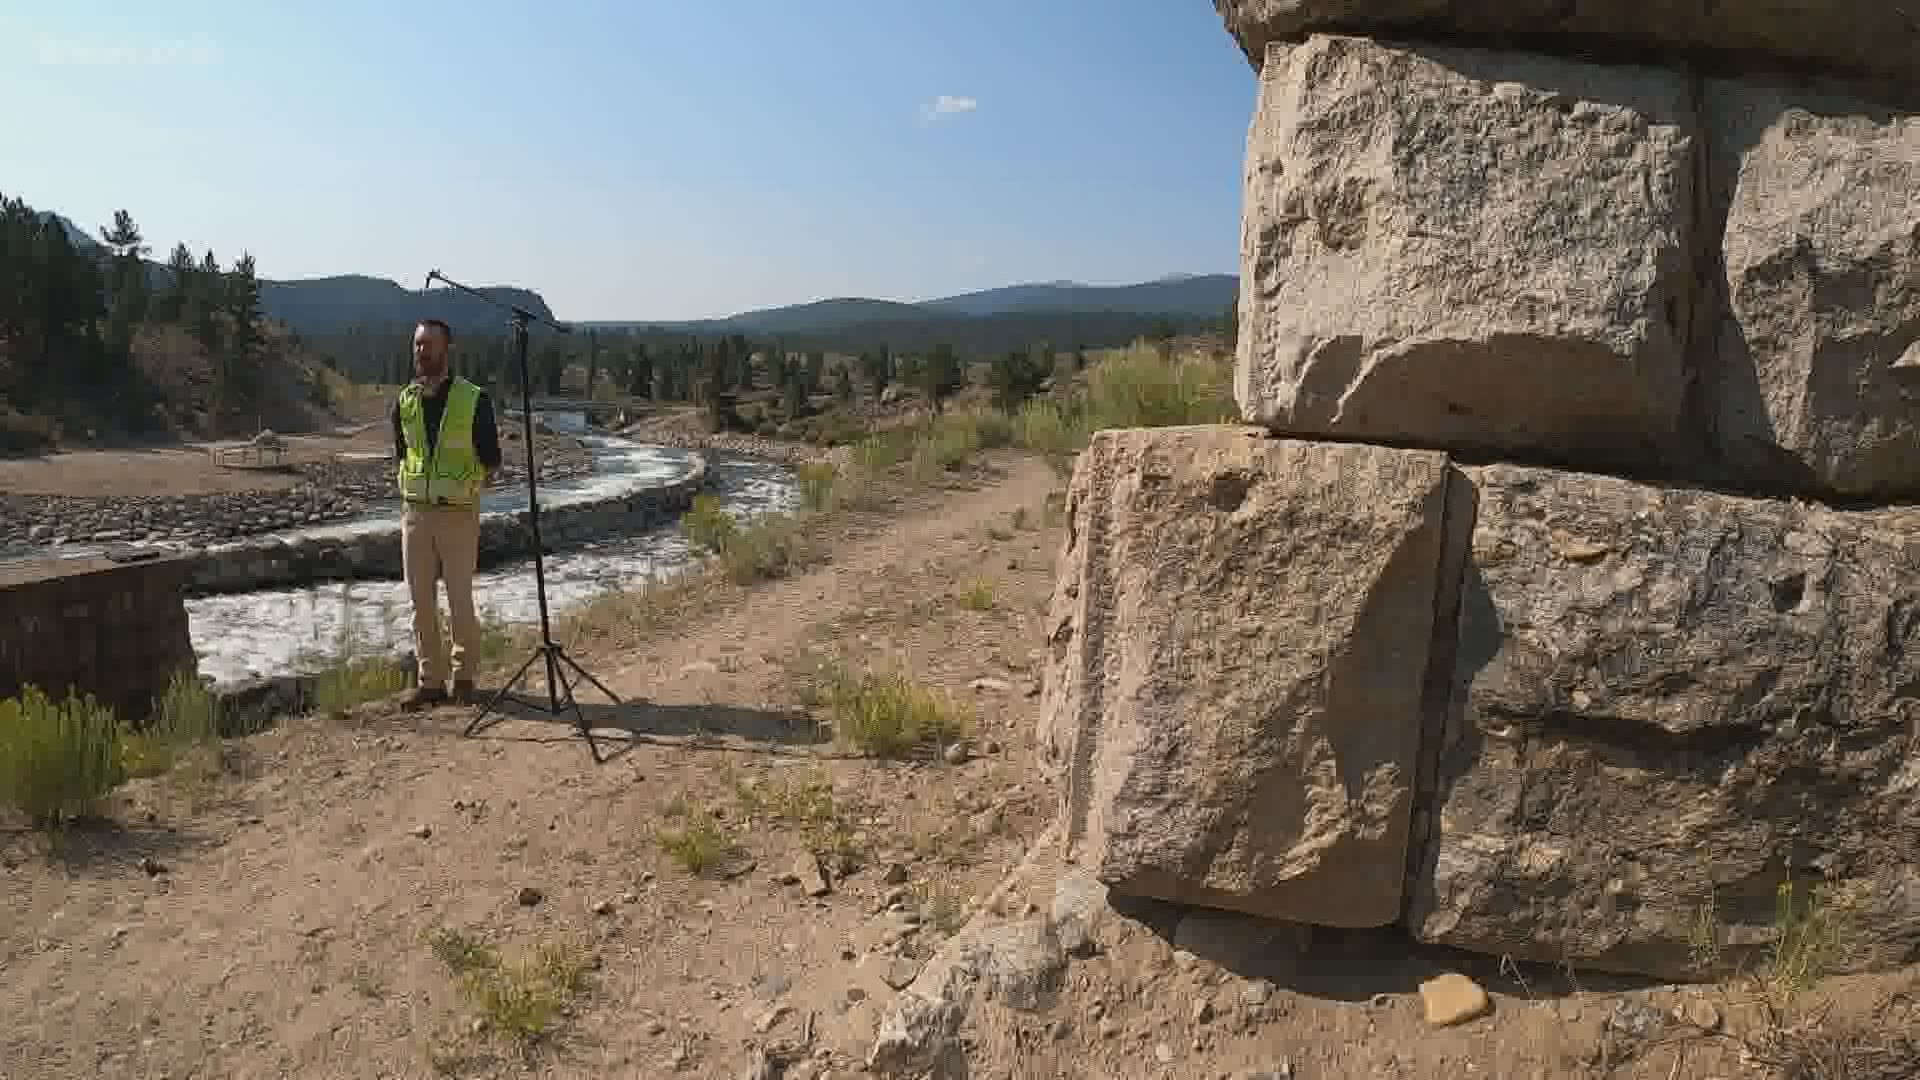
{"x":1060,"y":1030}
{"x":896,"y":874}
{"x":990,"y":686}
{"x":768,"y":1019}
{"x":422,"y":831}
{"x":1109,"y":1028}
{"x":956,"y":754}
{"x":1453,"y":999}
{"x":629,"y":898}
{"x":1256,"y":993}
{"x":151,"y":867}
{"x":901,"y":973}
{"x":1163,"y":1053}
{"x":604,"y":907}
{"x":1700,"y":1013}
{"x":1202,"y":1011}
{"x":655,"y":1027}
{"x":810,"y":875}
{"x":529,"y":896}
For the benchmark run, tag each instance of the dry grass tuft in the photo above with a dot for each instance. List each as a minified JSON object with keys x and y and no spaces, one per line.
{"x":1816,"y":1049}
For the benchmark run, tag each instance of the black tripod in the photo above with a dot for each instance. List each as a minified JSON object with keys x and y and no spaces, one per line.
{"x":560,"y":684}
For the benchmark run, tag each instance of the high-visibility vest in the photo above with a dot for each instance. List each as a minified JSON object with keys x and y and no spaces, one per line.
{"x":452,"y":474}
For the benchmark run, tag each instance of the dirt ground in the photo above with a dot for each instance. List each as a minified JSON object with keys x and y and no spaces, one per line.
{"x":300,"y":915}
{"x":187,"y":469}
{"x":192,"y":469}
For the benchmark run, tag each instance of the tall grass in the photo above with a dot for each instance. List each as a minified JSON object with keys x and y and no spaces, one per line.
{"x":186,"y":718}
{"x":351,"y":673}
{"x":58,"y":760}
{"x":1136,"y":387}
{"x":886,"y":714}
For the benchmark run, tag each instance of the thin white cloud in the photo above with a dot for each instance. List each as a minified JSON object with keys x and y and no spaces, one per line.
{"x":945,"y":105}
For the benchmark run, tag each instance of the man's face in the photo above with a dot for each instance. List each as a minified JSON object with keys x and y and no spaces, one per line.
{"x":429,"y":351}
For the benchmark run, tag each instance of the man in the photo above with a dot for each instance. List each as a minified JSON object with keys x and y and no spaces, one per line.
{"x":448,"y":447}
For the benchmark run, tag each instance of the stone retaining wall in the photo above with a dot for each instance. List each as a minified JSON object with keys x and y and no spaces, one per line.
{"x":1558,"y":599}
{"x":115,"y":630}
{"x":276,"y":562}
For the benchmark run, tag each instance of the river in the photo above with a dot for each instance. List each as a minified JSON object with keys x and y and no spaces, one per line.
{"x":244,"y":636}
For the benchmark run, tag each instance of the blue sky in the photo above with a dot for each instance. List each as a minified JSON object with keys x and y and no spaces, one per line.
{"x":651,"y":159}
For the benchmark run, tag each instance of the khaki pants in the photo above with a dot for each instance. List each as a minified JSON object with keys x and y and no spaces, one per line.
{"x":444,"y":543}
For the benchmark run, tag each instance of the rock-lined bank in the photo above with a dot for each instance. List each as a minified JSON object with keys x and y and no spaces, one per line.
{"x":277,"y":562}
{"x":732,"y":442}
{"x":330,"y":491}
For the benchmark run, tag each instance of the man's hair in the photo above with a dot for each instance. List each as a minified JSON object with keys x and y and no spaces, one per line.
{"x":445,"y":330}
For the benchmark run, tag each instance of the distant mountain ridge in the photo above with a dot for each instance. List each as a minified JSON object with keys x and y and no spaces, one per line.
{"x":339,"y":303}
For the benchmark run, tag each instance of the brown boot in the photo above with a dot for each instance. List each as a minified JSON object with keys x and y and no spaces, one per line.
{"x":426,"y":697}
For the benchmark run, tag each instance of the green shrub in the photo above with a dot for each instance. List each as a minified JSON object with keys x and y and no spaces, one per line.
{"x":57,"y":761}
{"x":1141,"y":388}
{"x":21,"y":433}
{"x":185,"y":717}
{"x":770,"y":547}
{"x":354,"y":682}
{"x":817,"y":485}
{"x":886,"y":715}
{"x":1049,"y":427}
{"x":707,"y":523}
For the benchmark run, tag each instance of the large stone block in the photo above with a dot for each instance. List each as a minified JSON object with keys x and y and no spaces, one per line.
{"x":1463,"y":249}
{"x":1872,"y":40}
{"x":1238,"y":641}
{"x":1666,"y":703}
{"x":1815,"y":378}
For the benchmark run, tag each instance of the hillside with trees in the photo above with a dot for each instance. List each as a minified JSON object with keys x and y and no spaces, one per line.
{"x":94,"y":347}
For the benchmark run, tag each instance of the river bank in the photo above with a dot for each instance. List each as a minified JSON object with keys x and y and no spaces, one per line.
{"x":182,"y":495}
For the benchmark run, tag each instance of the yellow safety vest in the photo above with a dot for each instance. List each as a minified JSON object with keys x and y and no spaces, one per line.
{"x":452,"y":474}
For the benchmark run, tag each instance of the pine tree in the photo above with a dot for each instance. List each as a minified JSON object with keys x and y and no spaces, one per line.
{"x":640,"y":372}
{"x":203,"y":304}
{"x":236,"y":386}
{"x":126,"y":278}
{"x":793,"y":385}
{"x":173,"y":304}
{"x":940,"y":375}
{"x":843,"y":384}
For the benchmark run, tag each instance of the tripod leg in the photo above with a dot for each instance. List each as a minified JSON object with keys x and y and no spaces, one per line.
{"x":586,"y":732}
{"x":474,"y":724}
{"x":585,"y":674}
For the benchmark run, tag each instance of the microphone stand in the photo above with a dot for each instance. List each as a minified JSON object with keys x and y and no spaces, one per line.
{"x":560,"y":696}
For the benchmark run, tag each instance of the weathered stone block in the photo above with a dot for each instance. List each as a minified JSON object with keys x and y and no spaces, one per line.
{"x":117,"y":631}
{"x":1239,"y":636}
{"x":1455,"y":248}
{"x":1821,"y":203}
{"x":1874,"y":40}
{"x":1666,"y":702}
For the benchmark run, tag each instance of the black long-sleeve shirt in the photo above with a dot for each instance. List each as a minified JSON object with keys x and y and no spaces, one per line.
{"x":486,"y":436}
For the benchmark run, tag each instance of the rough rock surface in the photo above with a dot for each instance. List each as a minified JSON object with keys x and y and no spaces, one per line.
{"x":1458,"y":248}
{"x":1875,"y":40}
{"x":1237,"y":647}
{"x":1821,"y":203}
{"x":1665,"y":702}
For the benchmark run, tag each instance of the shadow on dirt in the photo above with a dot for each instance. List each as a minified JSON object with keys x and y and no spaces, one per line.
{"x":1347,"y":965}
{"x":99,"y":847}
{"x":617,"y":728}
